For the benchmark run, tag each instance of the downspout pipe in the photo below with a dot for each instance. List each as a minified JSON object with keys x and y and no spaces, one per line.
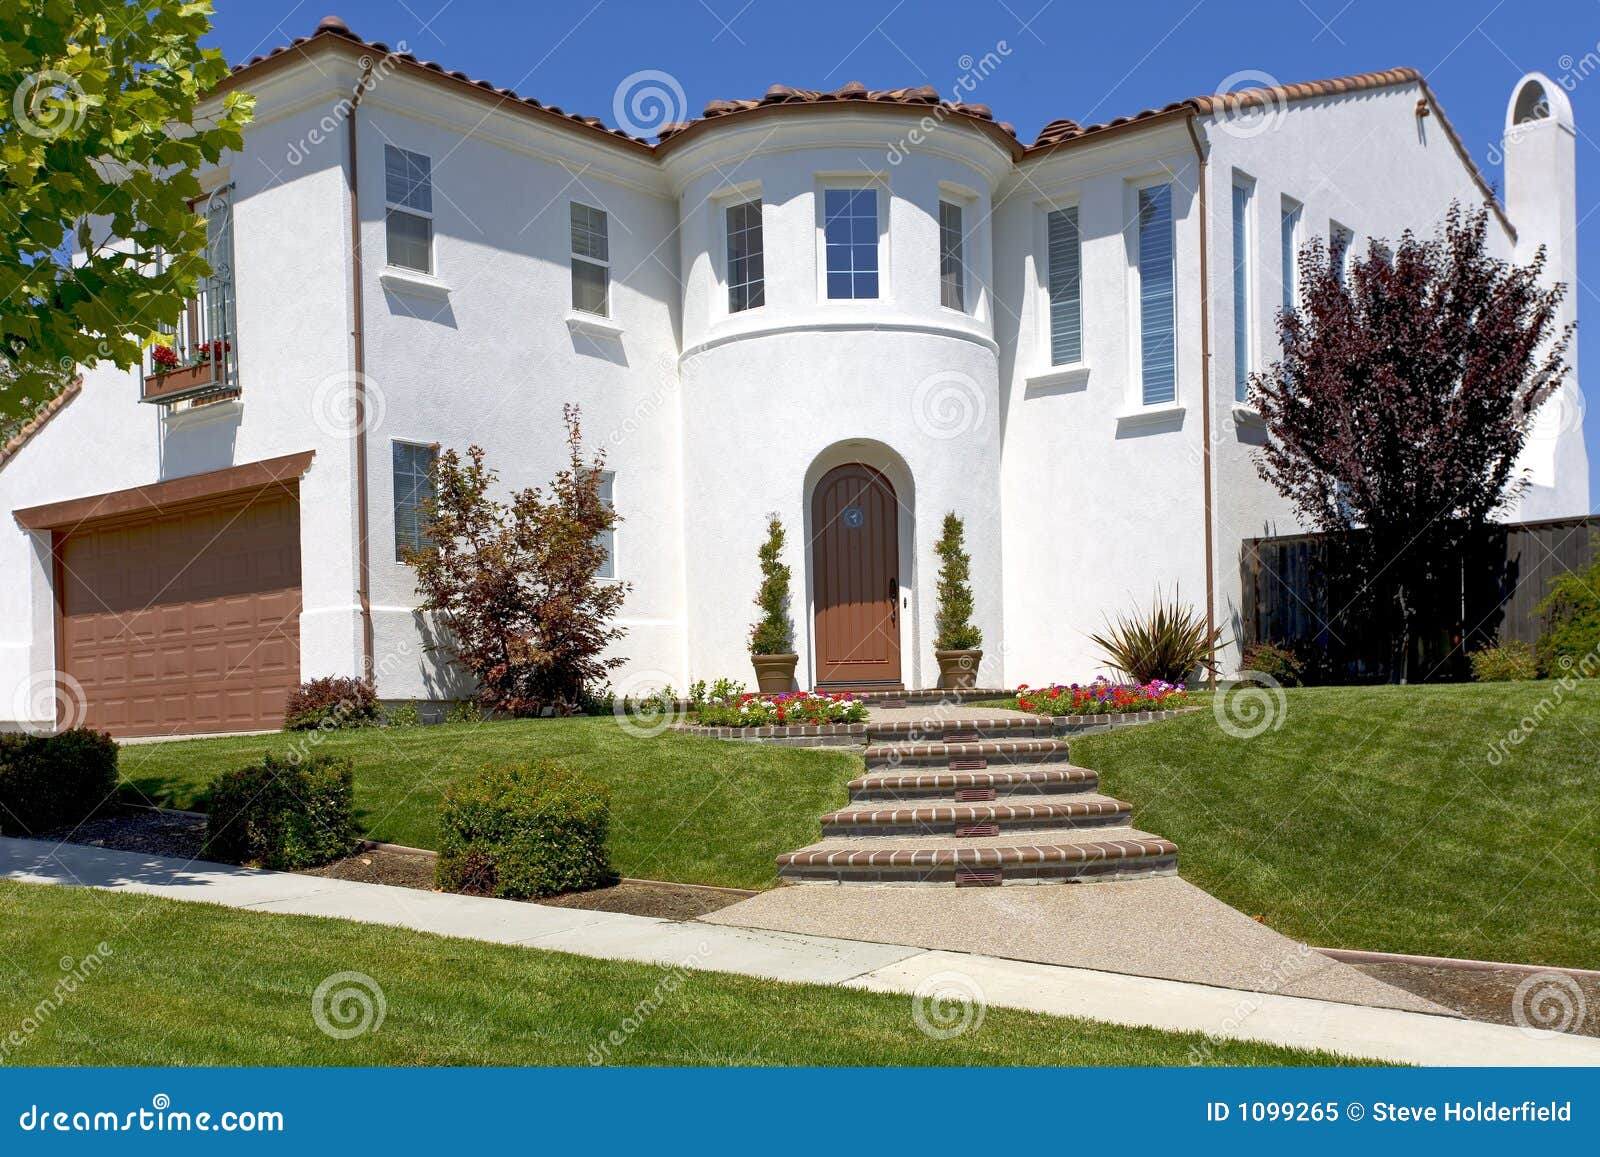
{"x":358,"y":385}
{"x":1205,"y":407}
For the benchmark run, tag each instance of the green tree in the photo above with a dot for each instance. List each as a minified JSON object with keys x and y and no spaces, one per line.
{"x":1570,"y":644}
{"x":98,"y":123}
{"x":957,"y":632}
{"x":773,"y":634}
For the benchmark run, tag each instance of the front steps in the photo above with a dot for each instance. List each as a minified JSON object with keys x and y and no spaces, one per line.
{"x":976,"y":802}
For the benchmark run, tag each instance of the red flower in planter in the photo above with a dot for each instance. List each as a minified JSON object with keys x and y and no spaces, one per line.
{"x":163,"y":358}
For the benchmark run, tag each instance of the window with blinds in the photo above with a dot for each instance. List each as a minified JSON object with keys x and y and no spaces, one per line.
{"x":608,"y":538}
{"x":1157,"y":329}
{"x":1289,"y":243}
{"x":591,"y":260}
{"x":408,"y":209}
{"x":1064,"y":269}
{"x":413,"y":486}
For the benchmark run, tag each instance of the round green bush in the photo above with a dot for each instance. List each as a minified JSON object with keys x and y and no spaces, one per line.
{"x":524,"y":830}
{"x":1504,"y":663}
{"x":282,"y":812}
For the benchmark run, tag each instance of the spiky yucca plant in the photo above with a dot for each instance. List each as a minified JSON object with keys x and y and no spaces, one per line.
{"x":1168,"y":641}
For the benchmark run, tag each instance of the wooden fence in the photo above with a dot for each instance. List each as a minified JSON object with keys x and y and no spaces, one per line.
{"x":1287,"y":597}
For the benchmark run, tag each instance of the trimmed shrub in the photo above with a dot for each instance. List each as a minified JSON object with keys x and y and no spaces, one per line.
{"x":956,"y":630}
{"x":331,"y":702}
{"x":283,"y":813}
{"x":773,"y":633}
{"x":48,"y":781}
{"x":402,"y":715}
{"x":532,"y":829}
{"x":1504,"y":663}
{"x":1570,"y":645}
{"x":1281,"y":664}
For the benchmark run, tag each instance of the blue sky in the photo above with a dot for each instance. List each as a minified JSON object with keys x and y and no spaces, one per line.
{"x":1086,"y":61}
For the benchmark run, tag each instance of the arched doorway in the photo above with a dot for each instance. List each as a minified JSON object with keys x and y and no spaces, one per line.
{"x":855,"y":577}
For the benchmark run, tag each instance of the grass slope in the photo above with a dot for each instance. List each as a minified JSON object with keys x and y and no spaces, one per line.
{"x":192,"y":984}
{"x":683,"y":808}
{"x":1374,"y":817}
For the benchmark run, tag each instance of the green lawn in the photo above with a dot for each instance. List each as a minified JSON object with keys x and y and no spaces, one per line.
{"x":685,"y":809}
{"x":1373,"y":818}
{"x":192,"y":984}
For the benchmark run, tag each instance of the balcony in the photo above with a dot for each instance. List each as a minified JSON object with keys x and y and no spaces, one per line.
{"x":195,"y":361}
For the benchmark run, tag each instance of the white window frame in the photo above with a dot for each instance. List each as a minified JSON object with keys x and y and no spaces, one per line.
{"x":964,"y":259}
{"x":608,"y":478}
{"x":1041,"y":247}
{"x":427,"y":215}
{"x":826,"y":181}
{"x":573,"y":255}
{"x":1252,"y":250}
{"x":416,"y":444}
{"x":1289,"y":290}
{"x":719,"y":203}
{"x":1342,"y":266}
{"x":1135,"y":391}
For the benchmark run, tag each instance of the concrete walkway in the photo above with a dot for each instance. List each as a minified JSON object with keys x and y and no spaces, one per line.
{"x":1383,"y":1033}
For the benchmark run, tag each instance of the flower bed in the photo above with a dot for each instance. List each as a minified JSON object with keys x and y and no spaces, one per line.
{"x":1102,"y":697}
{"x":794,"y":707}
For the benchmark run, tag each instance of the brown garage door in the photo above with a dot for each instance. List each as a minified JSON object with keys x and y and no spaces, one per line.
{"x":185,"y":620}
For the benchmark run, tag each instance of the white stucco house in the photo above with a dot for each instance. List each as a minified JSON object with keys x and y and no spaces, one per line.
{"x":858,"y":309}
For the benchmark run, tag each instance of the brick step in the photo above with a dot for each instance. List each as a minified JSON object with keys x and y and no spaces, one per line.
{"x":946,"y":817}
{"x":926,"y":696}
{"x":967,"y":756}
{"x":970,"y":786}
{"x":1106,"y":853}
{"x":959,"y":729}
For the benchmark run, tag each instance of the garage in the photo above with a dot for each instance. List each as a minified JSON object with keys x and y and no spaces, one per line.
{"x":179,"y":612}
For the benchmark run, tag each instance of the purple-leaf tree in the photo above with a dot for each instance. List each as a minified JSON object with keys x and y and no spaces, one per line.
{"x":1406,"y":390}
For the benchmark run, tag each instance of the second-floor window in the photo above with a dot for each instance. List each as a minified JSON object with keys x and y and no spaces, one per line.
{"x":850,"y":238}
{"x":1242,"y":297}
{"x":952,"y":258}
{"x":408,"y":201}
{"x":1289,"y":243}
{"x":413,"y":486}
{"x":1064,"y":269}
{"x":1157,"y":335}
{"x":591,"y":260}
{"x":746,"y":262}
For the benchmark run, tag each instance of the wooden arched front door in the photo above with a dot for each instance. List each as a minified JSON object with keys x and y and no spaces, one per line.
{"x":855,"y":577}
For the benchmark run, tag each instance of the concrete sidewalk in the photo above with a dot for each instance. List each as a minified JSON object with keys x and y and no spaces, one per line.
{"x":1383,"y":1033}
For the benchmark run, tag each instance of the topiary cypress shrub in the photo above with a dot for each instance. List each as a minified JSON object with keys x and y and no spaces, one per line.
{"x":282,"y":812}
{"x":957,"y":632}
{"x":331,"y":702}
{"x":524,"y":830}
{"x":773,"y":634}
{"x":50,"y":781}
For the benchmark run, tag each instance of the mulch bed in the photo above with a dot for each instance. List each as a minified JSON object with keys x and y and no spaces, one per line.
{"x":181,"y":835}
{"x":1479,"y":994}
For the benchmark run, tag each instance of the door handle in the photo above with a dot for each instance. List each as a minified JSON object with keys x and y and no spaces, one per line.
{"x":894,"y":600}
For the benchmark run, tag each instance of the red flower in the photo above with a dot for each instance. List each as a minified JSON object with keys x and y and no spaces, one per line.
{"x":164,"y":356}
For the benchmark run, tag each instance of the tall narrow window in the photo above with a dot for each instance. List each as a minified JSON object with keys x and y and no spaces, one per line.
{"x":1065,"y":271}
{"x":952,"y":260}
{"x":413,"y":486}
{"x":1241,"y":293}
{"x":1340,"y":240}
{"x":1289,"y":247}
{"x":746,"y":262}
{"x":591,"y":260}
{"x":850,"y":237}
{"x":608,"y":538}
{"x":408,"y":214}
{"x":1157,"y":337}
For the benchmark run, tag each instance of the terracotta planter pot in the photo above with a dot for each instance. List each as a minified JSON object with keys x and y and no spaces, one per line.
{"x":774,"y":673}
{"x":958,"y":668}
{"x":178,"y":380}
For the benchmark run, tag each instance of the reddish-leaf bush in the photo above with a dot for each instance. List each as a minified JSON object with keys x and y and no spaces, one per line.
{"x":329,"y":702}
